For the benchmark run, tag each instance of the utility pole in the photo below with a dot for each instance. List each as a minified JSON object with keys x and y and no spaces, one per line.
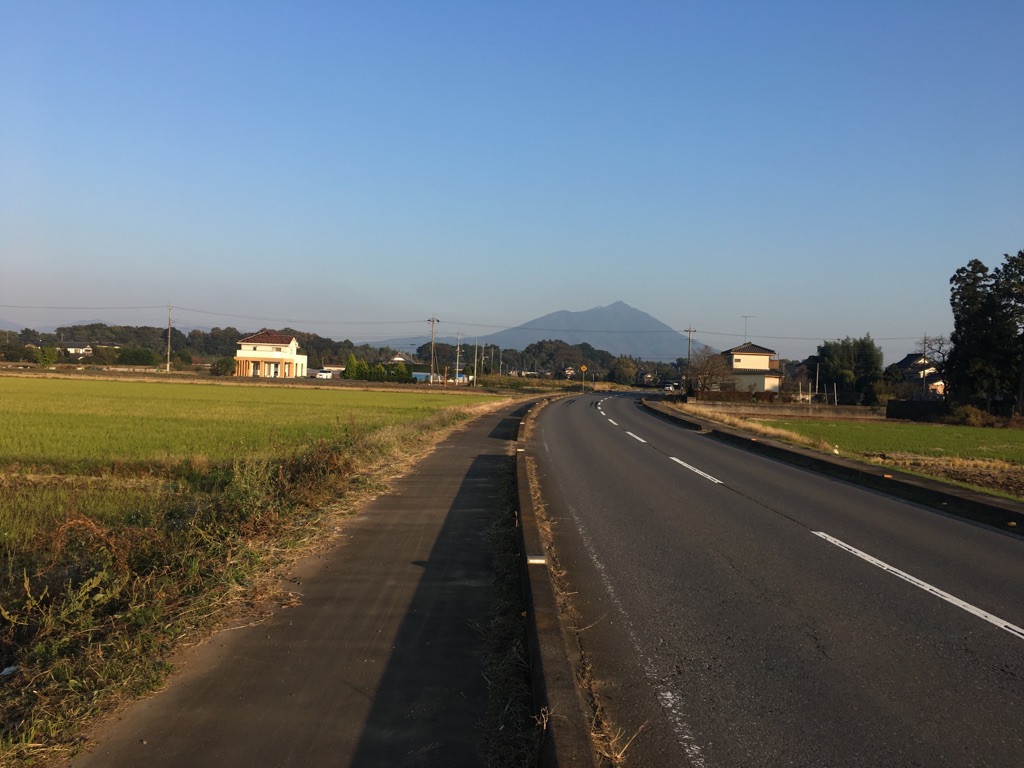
{"x":689,"y":333}
{"x":476,"y":368}
{"x":924,"y":367}
{"x":168,"y":338}
{"x":458,"y":350}
{"x":433,"y":357}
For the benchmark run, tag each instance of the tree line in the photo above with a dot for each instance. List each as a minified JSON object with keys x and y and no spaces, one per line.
{"x":981,"y":363}
{"x":147,"y":346}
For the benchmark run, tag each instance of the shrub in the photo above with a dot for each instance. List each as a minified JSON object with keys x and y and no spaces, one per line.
{"x":137,"y":356}
{"x":969,"y":416}
{"x":224,"y":366}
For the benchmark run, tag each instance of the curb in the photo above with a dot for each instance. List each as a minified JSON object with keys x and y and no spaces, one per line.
{"x":566,"y":739}
{"x":1002,"y":514}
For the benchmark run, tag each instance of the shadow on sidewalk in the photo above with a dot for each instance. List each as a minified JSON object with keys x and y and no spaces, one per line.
{"x":432,"y":699}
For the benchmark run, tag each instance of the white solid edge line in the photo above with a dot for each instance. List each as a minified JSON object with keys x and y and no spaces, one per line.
{"x":636,"y":437}
{"x":694,"y":469}
{"x":1001,"y":623}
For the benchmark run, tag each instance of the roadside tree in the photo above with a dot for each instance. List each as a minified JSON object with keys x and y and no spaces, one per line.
{"x":46,"y":357}
{"x":1010,"y":282}
{"x":708,"y":369}
{"x":982,"y":364}
{"x":623,"y":371}
{"x":852,"y":366}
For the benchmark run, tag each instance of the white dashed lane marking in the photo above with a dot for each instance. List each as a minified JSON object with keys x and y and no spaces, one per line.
{"x":1001,"y":623}
{"x":694,"y":469}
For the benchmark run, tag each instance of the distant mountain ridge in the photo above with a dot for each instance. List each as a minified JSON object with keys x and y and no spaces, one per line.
{"x":617,"y":328}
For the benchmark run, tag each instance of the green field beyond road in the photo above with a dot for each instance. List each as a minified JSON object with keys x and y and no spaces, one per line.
{"x":931,"y":440}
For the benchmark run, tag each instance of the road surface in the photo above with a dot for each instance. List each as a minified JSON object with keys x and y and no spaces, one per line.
{"x":742,"y":612}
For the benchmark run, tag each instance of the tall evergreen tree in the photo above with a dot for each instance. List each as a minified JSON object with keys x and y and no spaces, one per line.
{"x":984,"y":338}
{"x":1009,"y":279}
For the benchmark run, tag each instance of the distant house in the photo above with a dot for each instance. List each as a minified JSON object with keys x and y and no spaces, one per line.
{"x":754,"y":368}
{"x":918,"y":369}
{"x":78,"y":348}
{"x":271,"y":355}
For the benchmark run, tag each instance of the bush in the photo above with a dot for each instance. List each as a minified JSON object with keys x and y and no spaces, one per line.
{"x":969,"y":416}
{"x":223,"y":366}
{"x":137,"y":356}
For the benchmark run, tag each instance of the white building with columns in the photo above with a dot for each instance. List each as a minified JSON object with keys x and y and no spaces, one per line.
{"x":270,"y":355}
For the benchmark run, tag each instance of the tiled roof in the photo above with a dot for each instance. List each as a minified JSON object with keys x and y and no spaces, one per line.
{"x":755,"y":371}
{"x":914,"y":361}
{"x":268,"y":337}
{"x":749,"y":348}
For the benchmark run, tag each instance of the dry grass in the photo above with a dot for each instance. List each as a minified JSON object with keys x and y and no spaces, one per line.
{"x":750,"y":425}
{"x":514,"y":732}
{"x":609,"y":743}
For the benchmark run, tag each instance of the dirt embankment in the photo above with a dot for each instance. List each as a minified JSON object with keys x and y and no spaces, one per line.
{"x":999,"y":476}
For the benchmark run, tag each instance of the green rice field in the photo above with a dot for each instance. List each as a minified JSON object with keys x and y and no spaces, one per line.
{"x":932,"y":440}
{"x":86,"y":425}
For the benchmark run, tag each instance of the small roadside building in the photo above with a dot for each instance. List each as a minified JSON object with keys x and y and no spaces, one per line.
{"x":754,"y":368}
{"x":271,"y":355}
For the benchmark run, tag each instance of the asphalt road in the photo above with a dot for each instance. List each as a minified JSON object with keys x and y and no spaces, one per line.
{"x":742,"y":612}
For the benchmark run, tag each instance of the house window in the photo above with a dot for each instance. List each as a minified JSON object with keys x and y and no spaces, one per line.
{"x":254,"y":349}
{"x":277,"y":349}
{"x":737,"y":360}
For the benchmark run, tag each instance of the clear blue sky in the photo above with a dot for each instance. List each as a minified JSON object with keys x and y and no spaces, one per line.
{"x":352,"y":168}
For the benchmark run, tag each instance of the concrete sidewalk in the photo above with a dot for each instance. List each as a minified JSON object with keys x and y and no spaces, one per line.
{"x":380,"y":664}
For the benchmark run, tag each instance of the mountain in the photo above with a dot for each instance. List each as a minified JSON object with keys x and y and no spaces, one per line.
{"x":617,"y":328}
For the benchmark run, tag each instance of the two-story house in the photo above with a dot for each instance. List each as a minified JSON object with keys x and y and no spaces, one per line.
{"x":754,"y":368}
{"x":271,"y":355}
{"x":918,"y":369}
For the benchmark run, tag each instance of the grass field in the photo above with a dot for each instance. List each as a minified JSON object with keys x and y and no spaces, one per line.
{"x":136,"y":514}
{"x":931,"y":440}
{"x":87,"y":425}
{"x":987,"y":459}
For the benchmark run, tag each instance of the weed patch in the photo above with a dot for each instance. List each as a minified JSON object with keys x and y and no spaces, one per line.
{"x":513,"y":731}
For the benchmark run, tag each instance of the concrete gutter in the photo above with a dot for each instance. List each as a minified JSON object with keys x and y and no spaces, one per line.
{"x":1003,"y":514}
{"x":556,"y":694}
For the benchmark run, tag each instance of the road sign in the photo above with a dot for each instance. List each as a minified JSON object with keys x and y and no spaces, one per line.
{"x":583,"y":368}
